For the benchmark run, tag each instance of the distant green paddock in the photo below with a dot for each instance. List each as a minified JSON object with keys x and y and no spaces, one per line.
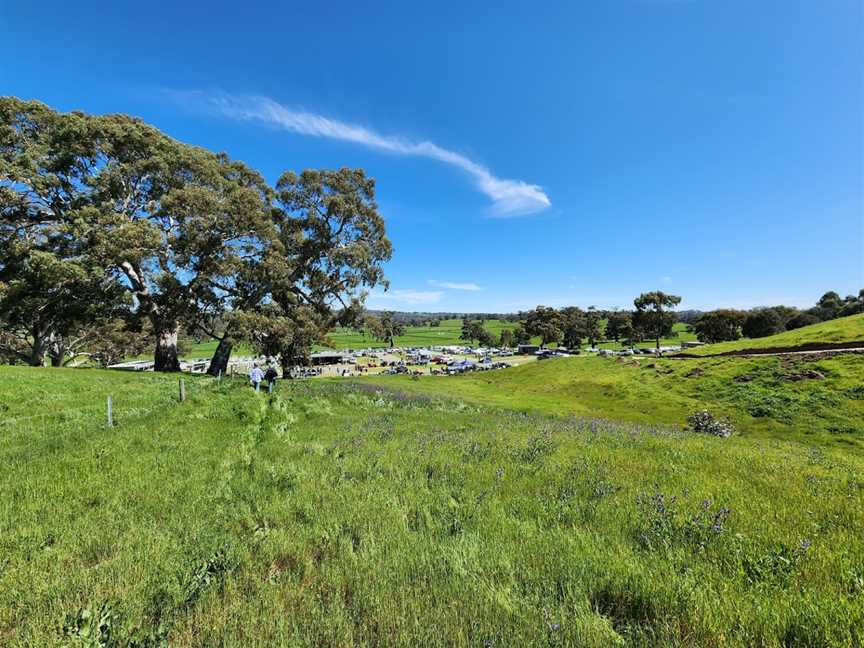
{"x":415,"y":336}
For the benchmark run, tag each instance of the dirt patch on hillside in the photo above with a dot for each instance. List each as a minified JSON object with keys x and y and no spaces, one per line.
{"x":809,"y":374}
{"x":816,"y":347}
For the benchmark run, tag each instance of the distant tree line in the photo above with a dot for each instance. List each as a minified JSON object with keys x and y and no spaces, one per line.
{"x":727,"y":324}
{"x":115,"y":238}
{"x":653,"y":318}
{"x":435,"y":319}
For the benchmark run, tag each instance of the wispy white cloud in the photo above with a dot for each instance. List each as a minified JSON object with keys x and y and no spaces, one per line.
{"x":454,"y":285}
{"x":509,"y":197}
{"x":406,"y":296}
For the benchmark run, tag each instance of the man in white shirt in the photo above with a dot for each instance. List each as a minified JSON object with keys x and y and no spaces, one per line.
{"x":256,"y":376}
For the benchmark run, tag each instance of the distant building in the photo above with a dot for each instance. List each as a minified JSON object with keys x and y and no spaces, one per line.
{"x":330,"y":357}
{"x":527,"y":349}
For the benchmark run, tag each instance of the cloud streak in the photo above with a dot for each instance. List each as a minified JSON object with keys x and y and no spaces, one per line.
{"x":453,"y":285}
{"x":509,"y":198}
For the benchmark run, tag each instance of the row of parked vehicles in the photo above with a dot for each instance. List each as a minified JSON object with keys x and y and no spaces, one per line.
{"x":642,"y":351}
{"x":449,"y":368}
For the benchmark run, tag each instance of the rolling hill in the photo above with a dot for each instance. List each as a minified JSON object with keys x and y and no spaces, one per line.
{"x":837,"y":331}
{"x":792,"y":398}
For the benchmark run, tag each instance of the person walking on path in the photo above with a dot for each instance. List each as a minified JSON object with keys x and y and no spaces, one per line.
{"x":270,"y":376}
{"x":256,"y":376}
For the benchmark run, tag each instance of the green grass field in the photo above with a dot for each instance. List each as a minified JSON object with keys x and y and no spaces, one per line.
{"x":335,"y":515}
{"x":760,"y":395}
{"x":844,"y":329}
{"x":415,"y":336}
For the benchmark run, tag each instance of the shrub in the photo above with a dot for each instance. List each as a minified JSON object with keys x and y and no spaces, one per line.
{"x":762,"y":323}
{"x":801,"y":320}
{"x":719,"y":326}
{"x":705,"y":422}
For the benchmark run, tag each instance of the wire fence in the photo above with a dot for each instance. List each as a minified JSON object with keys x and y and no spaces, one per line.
{"x":113,"y":410}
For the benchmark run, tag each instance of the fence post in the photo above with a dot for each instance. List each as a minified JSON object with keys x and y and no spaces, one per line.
{"x":182,"y":390}
{"x":110,"y":413}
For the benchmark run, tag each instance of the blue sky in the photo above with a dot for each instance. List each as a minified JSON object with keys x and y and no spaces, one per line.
{"x":525,"y":153}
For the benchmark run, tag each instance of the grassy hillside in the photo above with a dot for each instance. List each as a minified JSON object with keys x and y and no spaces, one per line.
{"x":844,"y":329}
{"x":762,"y":396}
{"x":333,"y":515}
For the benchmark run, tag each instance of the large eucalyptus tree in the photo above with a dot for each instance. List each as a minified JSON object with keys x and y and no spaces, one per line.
{"x":49,"y":288}
{"x":166,"y":221}
{"x":327,"y":247}
{"x":93,"y":205}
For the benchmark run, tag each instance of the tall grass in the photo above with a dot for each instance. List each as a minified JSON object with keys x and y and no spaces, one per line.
{"x":333,"y":514}
{"x":764,"y":397}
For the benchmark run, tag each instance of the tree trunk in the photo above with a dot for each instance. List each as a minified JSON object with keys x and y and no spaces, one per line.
{"x":165,"y":357}
{"x":219,"y":361}
{"x":285,"y":361}
{"x":39,"y":348}
{"x":37,"y":358}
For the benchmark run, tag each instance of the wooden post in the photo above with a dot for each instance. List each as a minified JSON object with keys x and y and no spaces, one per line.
{"x":219,"y":377}
{"x":182,"y":390}
{"x":110,"y":413}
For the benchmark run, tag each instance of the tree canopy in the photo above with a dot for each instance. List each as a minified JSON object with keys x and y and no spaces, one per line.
{"x":545,"y":323}
{"x":719,"y":326}
{"x":93,"y":206}
{"x":653,"y":314}
{"x":762,"y":323}
{"x":385,"y":328}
